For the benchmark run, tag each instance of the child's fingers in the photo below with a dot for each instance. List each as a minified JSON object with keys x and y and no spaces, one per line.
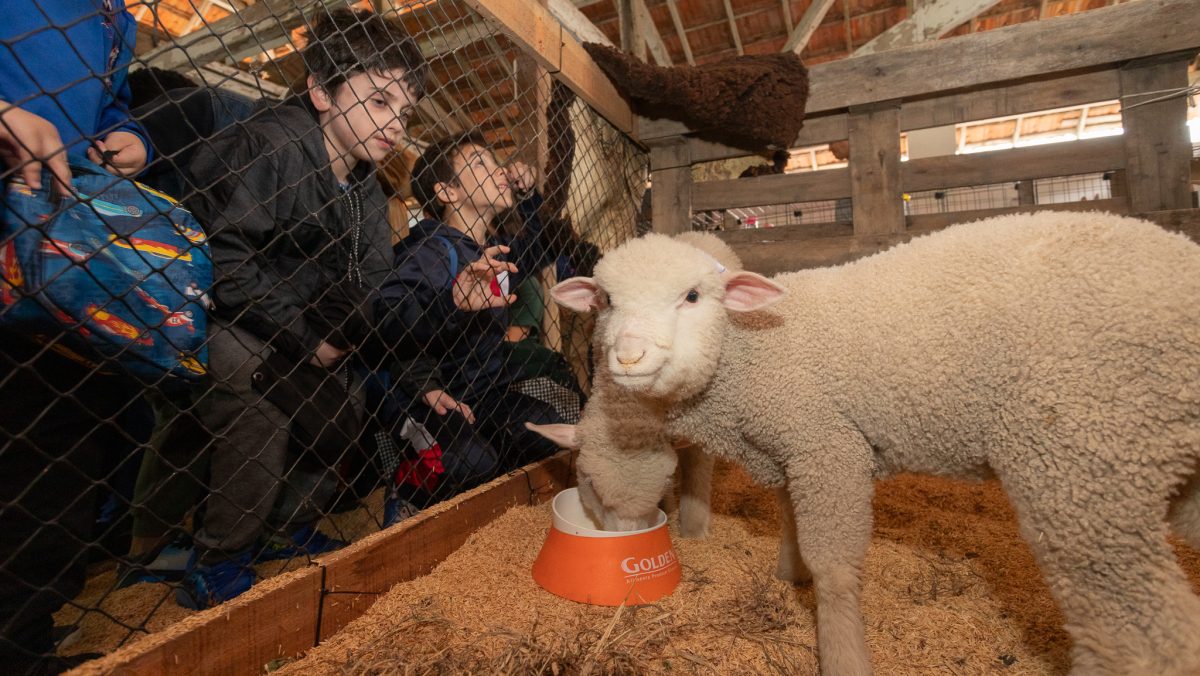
{"x":31,"y":169}
{"x":493,"y":251}
{"x":61,"y":171}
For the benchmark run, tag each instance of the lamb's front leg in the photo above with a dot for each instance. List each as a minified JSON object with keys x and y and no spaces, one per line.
{"x":695,"y":499}
{"x":831,"y":489}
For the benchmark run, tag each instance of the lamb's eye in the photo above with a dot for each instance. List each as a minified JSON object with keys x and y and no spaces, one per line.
{"x":692,"y":296}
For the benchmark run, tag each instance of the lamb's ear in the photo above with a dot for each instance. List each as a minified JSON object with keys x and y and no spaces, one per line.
{"x":748,"y":291}
{"x":560,"y":433}
{"x":577,"y":293}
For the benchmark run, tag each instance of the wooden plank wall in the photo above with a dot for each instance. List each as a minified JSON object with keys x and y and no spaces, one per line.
{"x":289,"y":614}
{"x":1118,"y":52}
{"x":788,"y":249}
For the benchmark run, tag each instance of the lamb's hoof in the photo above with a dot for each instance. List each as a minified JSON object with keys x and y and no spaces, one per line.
{"x":693,"y":528}
{"x":793,"y":574}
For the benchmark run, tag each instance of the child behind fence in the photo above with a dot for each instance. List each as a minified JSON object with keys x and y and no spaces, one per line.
{"x":63,"y":95}
{"x":468,"y":401}
{"x":299,"y":239}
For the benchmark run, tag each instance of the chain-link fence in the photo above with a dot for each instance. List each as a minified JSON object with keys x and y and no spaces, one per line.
{"x":296,"y":328}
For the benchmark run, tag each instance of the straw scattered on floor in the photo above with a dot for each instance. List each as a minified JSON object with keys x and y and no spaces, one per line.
{"x":948,"y":588}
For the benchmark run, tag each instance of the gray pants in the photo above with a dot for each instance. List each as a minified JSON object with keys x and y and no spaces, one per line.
{"x":255,"y":485}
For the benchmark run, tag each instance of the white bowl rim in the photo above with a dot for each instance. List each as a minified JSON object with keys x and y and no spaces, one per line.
{"x":562,"y":523}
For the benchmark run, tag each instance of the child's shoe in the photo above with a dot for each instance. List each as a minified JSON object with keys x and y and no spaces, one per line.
{"x":307,"y":541}
{"x":169,"y":564}
{"x":211,"y":585}
{"x":397,"y":509}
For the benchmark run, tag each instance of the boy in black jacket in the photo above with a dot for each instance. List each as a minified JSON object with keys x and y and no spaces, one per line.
{"x":299,"y":238}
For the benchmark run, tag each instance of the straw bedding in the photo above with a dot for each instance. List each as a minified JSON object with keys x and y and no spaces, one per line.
{"x":949,"y":588}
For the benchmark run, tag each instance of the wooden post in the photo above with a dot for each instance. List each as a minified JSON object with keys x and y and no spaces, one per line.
{"x":1025,"y":193}
{"x":671,"y":187}
{"x":1157,"y":148}
{"x":533,"y":95}
{"x":874,"y":131}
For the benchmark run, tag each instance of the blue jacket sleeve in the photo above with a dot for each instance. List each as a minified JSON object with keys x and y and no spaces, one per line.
{"x":115,"y":115}
{"x":415,"y":305}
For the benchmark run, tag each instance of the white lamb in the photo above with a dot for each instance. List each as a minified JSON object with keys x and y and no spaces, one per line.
{"x":622,"y":485}
{"x":1058,"y":352}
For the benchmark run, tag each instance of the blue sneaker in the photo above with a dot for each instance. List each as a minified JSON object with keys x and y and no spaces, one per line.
{"x":169,"y":565}
{"x":397,"y":509}
{"x":307,"y":541}
{"x":208,"y":586}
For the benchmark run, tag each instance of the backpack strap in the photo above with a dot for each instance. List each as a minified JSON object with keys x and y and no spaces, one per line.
{"x":452,"y":253}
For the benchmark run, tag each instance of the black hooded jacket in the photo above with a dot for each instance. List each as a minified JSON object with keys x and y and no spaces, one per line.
{"x":296,"y":256}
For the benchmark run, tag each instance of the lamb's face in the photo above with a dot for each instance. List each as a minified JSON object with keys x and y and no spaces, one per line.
{"x":662,"y":306}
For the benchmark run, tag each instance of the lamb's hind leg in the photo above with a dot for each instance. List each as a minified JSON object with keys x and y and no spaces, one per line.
{"x":1185,"y":512}
{"x":695,"y":491}
{"x":1101,"y":541}
{"x":790,"y":567}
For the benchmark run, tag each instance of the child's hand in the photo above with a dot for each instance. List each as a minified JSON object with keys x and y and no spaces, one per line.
{"x":327,"y":356}
{"x":443,"y":403}
{"x":472,"y":290}
{"x":28,"y":140}
{"x":521,"y":177}
{"x":121,"y":151}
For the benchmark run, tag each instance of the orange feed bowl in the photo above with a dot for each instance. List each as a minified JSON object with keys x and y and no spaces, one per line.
{"x":605,"y":568}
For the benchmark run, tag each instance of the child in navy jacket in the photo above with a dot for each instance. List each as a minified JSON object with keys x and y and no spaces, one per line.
{"x":467,"y":402}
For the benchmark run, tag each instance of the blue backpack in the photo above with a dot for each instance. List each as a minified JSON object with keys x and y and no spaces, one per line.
{"x":116,"y":275}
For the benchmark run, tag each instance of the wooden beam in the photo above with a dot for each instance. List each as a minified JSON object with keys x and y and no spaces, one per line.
{"x":276,"y":619}
{"x":1005,"y":166}
{"x":803,"y":250}
{"x":259,"y":23}
{"x":576,"y":22}
{"x":875,"y":185}
{"x":1094,"y":38}
{"x":1156,"y":140}
{"x":356,"y":576}
{"x":786,"y":8}
{"x":683,"y":39}
{"x":807,"y":186}
{"x":541,"y":36}
{"x":813,"y":16}
{"x":654,"y":41}
{"x":733,"y":29}
{"x":931,"y":21}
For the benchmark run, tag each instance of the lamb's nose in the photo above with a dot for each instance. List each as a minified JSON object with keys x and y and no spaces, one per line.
{"x":627,"y":360}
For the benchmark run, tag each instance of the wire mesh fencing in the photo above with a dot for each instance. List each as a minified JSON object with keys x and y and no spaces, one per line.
{"x":320,"y":309}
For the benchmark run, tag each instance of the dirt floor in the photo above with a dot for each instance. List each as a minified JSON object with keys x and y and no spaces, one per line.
{"x":949,"y":588}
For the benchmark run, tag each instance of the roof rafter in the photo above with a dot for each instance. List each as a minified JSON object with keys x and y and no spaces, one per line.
{"x":262,"y":22}
{"x":649,"y":31}
{"x":803,"y":32}
{"x":737,"y":38}
{"x":575,"y":21}
{"x":929,"y":22}
{"x":683,"y":39}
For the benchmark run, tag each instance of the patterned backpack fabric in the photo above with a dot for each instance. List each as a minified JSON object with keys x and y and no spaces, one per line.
{"x":115,"y":276}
